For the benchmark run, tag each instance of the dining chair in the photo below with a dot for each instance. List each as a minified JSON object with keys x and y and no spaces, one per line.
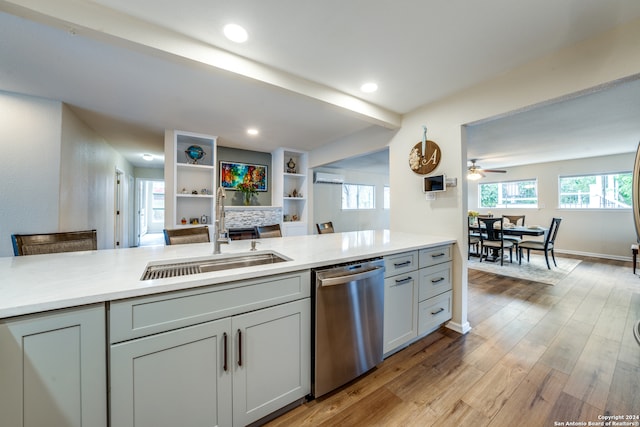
{"x":48,"y":243}
{"x":492,"y":238}
{"x":473,"y":237}
{"x":180,"y":236}
{"x":265,"y":231}
{"x":517,"y":220}
{"x":546,"y":246}
{"x":325,"y":227}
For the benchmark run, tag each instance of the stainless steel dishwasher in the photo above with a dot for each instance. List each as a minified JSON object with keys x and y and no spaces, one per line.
{"x":347,"y":323}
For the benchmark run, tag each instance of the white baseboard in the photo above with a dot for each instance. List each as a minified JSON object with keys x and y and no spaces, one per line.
{"x":457,"y":327}
{"x":594,"y":255}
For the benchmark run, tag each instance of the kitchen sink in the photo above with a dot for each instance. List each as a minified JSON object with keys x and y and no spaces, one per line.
{"x":215,"y":263}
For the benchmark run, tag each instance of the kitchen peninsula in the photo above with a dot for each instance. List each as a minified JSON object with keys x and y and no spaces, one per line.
{"x":66,"y":312}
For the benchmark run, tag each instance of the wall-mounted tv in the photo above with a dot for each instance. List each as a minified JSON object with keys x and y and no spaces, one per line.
{"x":435,"y":183}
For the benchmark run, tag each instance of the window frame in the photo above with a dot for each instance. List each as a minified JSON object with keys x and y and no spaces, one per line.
{"x":358,"y":186}
{"x":586,"y":208}
{"x":509,"y":205}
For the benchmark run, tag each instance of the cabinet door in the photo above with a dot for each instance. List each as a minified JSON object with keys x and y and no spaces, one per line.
{"x":176,"y":378}
{"x":53,"y":369}
{"x":400,"y":310}
{"x":272,"y":360}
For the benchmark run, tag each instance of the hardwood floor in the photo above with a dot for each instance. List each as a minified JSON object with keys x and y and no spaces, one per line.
{"x":537,"y":355}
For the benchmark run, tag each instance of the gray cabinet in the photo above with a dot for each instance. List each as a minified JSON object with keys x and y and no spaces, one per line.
{"x":249,"y":357}
{"x":417,"y":297}
{"x":53,"y":369}
{"x":400,"y":300}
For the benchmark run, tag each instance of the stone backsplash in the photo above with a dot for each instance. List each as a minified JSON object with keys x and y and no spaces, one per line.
{"x":251,"y":216}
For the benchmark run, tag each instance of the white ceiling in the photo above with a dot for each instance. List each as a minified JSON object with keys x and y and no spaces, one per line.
{"x":133,"y":69}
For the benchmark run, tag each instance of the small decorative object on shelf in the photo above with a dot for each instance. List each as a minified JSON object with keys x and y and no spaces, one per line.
{"x":194,"y":221}
{"x":204,"y":219}
{"x":291,"y":166}
{"x":205,"y":191}
{"x":248,"y":189}
{"x":184,"y":191}
{"x":194,"y":192}
{"x":195,"y":153}
{"x":183,"y":220}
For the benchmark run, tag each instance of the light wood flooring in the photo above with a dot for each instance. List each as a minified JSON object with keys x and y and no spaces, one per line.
{"x":537,"y":355}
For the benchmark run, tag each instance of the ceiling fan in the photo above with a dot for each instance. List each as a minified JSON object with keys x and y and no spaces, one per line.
{"x":476,"y":171}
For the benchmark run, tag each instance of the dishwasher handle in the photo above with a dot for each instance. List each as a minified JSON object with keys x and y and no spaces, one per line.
{"x":344,"y":279}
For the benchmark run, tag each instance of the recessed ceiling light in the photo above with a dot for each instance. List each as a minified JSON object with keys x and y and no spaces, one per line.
{"x":369,"y":87}
{"x":235,"y":33}
{"x":252,"y":131}
{"x":148,"y":157}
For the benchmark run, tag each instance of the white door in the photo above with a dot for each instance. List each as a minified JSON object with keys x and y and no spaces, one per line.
{"x":272,"y":360}
{"x":177,"y":378}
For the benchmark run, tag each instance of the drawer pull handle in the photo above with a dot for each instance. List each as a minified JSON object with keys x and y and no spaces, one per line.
{"x":405,"y":280}
{"x":437,"y":255}
{"x":440,"y":279}
{"x":239,"y":347}
{"x":437,"y":311}
{"x":224,"y":341}
{"x":401,"y":264}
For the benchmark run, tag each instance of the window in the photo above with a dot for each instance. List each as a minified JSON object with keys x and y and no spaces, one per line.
{"x":386,"y":202}
{"x":157,"y":201}
{"x":612,"y":191}
{"x":509,"y":194}
{"x":358,"y":196}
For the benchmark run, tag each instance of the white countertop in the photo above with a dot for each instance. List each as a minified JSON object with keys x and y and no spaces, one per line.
{"x":30,"y":284}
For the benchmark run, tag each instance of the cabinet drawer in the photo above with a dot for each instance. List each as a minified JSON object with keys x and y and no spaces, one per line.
{"x":137,"y":317}
{"x":434,"y":312}
{"x":433,"y":256}
{"x":434,"y":280}
{"x":400,"y":263}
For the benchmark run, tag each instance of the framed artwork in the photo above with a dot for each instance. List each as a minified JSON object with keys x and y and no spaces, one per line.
{"x":232,"y":174}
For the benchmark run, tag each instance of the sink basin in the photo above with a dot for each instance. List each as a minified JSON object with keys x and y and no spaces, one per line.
{"x":216,"y":263}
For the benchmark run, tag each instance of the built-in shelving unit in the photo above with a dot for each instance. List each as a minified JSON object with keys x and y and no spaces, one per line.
{"x":290,"y":189}
{"x":189,"y":185}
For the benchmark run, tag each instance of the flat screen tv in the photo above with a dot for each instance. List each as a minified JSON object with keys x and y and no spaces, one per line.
{"x":435,"y":183}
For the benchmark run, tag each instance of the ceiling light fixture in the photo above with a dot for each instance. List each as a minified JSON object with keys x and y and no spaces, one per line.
{"x":235,"y":33}
{"x":369,"y":87}
{"x":474,"y":176}
{"x":252,"y":131}
{"x":148,"y":157}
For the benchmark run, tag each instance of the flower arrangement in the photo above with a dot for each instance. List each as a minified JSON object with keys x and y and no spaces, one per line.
{"x":248,"y":189}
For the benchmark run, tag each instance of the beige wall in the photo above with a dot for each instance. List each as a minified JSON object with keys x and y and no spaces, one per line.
{"x":87,"y":182}
{"x":29,"y":166}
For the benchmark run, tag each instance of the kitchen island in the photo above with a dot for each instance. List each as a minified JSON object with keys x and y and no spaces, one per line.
{"x":62,"y":314}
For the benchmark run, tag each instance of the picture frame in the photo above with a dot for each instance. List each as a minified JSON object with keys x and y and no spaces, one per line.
{"x":234,"y":173}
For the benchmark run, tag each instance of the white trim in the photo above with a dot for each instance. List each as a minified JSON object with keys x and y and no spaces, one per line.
{"x":457,"y":327}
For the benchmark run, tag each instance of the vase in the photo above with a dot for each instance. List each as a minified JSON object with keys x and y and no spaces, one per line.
{"x":247,"y":199}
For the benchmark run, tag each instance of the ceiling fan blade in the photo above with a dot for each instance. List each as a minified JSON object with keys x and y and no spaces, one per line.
{"x":493,"y":170}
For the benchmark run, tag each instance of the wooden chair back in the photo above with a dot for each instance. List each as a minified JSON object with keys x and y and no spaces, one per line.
{"x":265,"y":231}
{"x":325,"y":227}
{"x":180,"y":236}
{"x":48,"y":243}
{"x":515,"y":219}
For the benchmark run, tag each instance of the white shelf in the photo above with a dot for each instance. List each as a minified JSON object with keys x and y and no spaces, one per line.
{"x":285,"y":183}
{"x":181,"y":173}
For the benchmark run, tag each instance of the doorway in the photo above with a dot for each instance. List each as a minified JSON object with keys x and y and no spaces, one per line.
{"x":150,"y":222}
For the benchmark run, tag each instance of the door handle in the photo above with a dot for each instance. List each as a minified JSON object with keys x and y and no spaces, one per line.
{"x":440,"y":279}
{"x":224,"y":343}
{"x":239,"y":347}
{"x":405,"y":280}
{"x":343,"y":280}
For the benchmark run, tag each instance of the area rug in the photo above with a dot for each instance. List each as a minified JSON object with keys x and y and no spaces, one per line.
{"x":535,"y":270}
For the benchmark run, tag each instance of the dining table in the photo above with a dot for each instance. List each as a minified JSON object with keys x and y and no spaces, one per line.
{"x":517,"y":230}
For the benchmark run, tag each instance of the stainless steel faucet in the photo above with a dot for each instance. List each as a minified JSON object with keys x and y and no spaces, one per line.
{"x":220,"y":233}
